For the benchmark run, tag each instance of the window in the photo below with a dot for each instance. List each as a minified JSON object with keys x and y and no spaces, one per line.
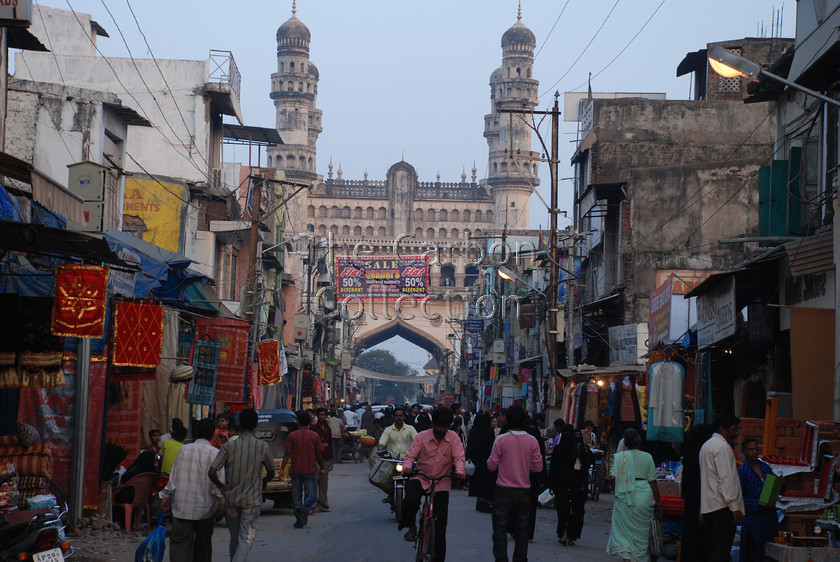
{"x":322,"y":212}
{"x":467,"y":216}
{"x":456,"y":215}
{"x":467,"y":233}
{"x":444,"y":215}
{"x":430,"y":233}
{"x":479,"y":216}
{"x":334,"y":230}
{"x":345,"y":213}
{"x":442,"y":233}
{"x":369,"y":231}
{"x":454,"y":233}
{"x":358,"y":213}
{"x":322,"y":229}
{"x":418,"y":233}
{"x":357,"y":230}
{"x":382,"y":214}
{"x":310,"y":211}
{"x":430,"y":215}
{"x":477,"y":233}
{"x":345,"y":230}
{"x":369,"y":213}
{"x":334,"y":212}
{"x":470,"y":275}
{"x":447,"y":276}
{"x":381,"y":231}
{"x":488,"y":216}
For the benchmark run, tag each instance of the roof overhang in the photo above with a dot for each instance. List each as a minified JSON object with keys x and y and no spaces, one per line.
{"x":48,"y":241}
{"x":21,"y":38}
{"x":225,"y":100}
{"x":811,"y":52}
{"x":256,"y":136}
{"x":128,"y":115}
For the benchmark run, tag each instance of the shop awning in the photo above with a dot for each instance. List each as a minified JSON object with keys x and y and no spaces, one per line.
{"x":810,"y":50}
{"x":57,"y":242}
{"x":595,"y":371}
{"x":57,"y":198}
{"x":161,"y":273}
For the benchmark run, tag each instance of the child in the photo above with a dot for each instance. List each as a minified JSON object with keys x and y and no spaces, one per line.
{"x":221,"y":436}
{"x":154,"y":441}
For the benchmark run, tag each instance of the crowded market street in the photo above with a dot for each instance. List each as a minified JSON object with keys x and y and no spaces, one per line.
{"x":360,"y":527}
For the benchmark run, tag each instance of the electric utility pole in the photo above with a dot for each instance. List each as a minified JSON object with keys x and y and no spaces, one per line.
{"x":552,"y":242}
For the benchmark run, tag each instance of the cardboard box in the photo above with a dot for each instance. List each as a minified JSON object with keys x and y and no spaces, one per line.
{"x":668,"y":488}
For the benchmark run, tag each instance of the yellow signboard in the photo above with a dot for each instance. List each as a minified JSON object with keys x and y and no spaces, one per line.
{"x":159,"y":206}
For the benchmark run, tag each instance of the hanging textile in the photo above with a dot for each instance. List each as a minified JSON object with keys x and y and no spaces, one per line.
{"x":80,"y":299}
{"x":665,"y":402}
{"x":30,"y":356}
{"x":205,"y":361}
{"x":138,"y":334}
{"x":269,"y":365}
{"x":232,"y":369}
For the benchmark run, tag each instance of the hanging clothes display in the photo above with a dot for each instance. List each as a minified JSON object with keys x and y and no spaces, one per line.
{"x":202,"y":388}
{"x":269,"y":362}
{"x":665,"y":402}
{"x":628,"y":413}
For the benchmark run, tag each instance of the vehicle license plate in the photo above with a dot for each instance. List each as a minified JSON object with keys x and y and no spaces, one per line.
{"x":52,"y":555}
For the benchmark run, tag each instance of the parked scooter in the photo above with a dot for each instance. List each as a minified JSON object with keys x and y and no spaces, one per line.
{"x":34,"y":534}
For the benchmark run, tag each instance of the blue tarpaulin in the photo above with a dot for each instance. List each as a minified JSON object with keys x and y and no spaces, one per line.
{"x":9,"y":208}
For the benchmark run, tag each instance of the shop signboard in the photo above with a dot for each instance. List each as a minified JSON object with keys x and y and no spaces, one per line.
{"x":384,"y":278}
{"x":716,"y":314}
{"x":659,"y":324}
{"x":627,"y":344}
{"x":16,"y":13}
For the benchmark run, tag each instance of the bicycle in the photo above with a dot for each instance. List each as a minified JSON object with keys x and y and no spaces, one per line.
{"x":425,"y":542}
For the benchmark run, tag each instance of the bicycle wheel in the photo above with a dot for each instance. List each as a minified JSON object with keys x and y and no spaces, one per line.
{"x":596,"y":489}
{"x":426,"y":540}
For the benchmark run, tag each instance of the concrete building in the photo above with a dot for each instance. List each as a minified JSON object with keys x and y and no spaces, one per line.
{"x":658,"y":185}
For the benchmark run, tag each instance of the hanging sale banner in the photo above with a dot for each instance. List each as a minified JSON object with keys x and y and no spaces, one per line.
{"x":138,"y":334}
{"x":269,"y":362}
{"x":81,"y":293}
{"x":382,"y":278}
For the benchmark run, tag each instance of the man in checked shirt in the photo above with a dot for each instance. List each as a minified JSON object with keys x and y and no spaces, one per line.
{"x":194,"y":500}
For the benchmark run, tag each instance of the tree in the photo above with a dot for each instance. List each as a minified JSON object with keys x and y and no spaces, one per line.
{"x":383,"y":361}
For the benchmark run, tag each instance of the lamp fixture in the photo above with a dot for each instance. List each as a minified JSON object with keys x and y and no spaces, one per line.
{"x":728,"y":64}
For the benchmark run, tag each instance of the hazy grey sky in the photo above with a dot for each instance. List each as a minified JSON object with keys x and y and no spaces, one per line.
{"x":411,"y":77}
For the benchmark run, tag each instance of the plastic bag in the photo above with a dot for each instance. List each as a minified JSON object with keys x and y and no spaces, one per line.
{"x":380,"y":475}
{"x":545,"y":497}
{"x":469,"y":468}
{"x":154,"y":546}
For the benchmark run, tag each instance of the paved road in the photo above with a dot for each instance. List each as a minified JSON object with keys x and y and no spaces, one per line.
{"x":360,"y":527}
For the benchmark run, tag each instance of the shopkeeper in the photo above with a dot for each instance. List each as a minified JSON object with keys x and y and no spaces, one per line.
{"x":760,"y":523}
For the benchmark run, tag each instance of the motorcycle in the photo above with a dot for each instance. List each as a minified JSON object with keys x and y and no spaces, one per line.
{"x":34,"y":534}
{"x":387,"y":476}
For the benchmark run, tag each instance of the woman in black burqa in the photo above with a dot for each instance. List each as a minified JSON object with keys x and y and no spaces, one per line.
{"x":568,"y":479}
{"x":479,"y":447}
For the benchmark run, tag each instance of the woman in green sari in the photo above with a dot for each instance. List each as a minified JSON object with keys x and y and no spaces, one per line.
{"x":636,"y":496}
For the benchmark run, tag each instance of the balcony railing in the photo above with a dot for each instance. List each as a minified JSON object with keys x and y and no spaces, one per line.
{"x":223,"y":70}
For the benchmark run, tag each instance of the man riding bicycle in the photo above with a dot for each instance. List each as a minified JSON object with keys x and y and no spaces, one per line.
{"x":435,"y":453}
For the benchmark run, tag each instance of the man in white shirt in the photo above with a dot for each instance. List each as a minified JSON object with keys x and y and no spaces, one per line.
{"x":397,"y":438}
{"x":721,"y":502}
{"x":194,"y":500}
{"x":351,"y":419}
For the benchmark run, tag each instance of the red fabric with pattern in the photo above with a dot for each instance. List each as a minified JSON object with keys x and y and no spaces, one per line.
{"x":232,"y":371}
{"x":270,"y":362}
{"x":138,"y":334}
{"x":81,"y":293}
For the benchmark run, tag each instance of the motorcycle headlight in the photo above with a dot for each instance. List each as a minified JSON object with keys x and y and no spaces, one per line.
{"x":399,"y":467}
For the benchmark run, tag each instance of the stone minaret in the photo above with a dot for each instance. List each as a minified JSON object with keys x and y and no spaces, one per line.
{"x":512,"y":166}
{"x":294,"y":89}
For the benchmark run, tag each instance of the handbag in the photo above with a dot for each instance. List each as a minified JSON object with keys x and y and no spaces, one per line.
{"x":469,"y":468}
{"x":657,"y":538}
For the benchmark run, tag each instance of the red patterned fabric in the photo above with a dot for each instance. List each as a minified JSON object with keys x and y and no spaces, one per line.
{"x":270,"y":362}
{"x":81,"y":293}
{"x":232,"y":370}
{"x":138,"y":334}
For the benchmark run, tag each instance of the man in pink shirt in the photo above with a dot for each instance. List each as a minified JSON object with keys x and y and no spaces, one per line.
{"x":434,"y":452}
{"x":515,"y":454}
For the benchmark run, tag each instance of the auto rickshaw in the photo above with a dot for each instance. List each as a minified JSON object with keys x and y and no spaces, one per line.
{"x":273,"y":426}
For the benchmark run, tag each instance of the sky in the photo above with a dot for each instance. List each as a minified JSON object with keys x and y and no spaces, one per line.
{"x":409,"y":79}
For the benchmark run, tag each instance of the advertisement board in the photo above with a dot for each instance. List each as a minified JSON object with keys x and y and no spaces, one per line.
{"x":716,"y":314}
{"x":382,"y":278}
{"x":159,"y":206}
